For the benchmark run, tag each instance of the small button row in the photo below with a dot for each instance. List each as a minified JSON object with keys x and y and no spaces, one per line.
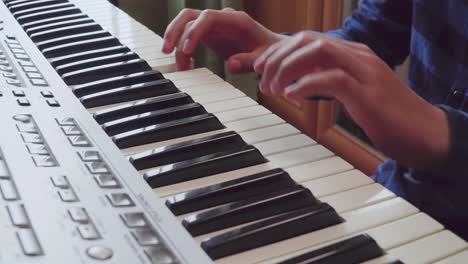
{"x":7,"y":72}
{"x":73,"y":132}
{"x":96,"y":166}
{"x":35,"y":143}
{"x":147,"y":238}
{"x":85,"y":227}
{"x":29,"y":68}
{"x":65,"y":190}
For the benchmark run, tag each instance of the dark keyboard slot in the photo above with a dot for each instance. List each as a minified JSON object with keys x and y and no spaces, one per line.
{"x":96,"y":61}
{"x":57,"y":25}
{"x":152,"y":118}
{"x":65,"y":31}
{"x":49,"y":21}
{"x":204,"y":166}
{"x":173,"y":98}
{"x":115,"y":82}
{"x":249,"y":210}
{"x":48,"y":14}
{"x":24,"y":5}
{"x":355,"y":250}
{"x":41,"y":9}
{"x":87,"y":55}
{"x":187,"y":150}
{"x":230,"y":191}
{"x":272,"y":230}
{"x":80,"y":46}
{"x":175,"y":129}
{"x":134,"y":92}
{"x":106,"y":71}
{"x":57,"y":42}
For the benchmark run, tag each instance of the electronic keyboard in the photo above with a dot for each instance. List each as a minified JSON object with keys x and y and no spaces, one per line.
{"x":105,"y":157}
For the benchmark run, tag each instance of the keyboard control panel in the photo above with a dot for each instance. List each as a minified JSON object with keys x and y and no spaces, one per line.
{"x":65,"y":194}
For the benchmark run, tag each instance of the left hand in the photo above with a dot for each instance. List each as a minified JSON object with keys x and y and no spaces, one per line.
{"x":399,"y":122}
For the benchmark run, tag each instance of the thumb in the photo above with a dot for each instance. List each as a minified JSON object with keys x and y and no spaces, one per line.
{"x":242,"y":62}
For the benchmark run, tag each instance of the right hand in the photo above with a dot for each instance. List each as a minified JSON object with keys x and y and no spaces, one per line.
{"x":232,"y":35}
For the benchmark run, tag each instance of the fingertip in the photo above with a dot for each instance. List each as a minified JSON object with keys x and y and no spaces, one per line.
{"x":234,"y":66}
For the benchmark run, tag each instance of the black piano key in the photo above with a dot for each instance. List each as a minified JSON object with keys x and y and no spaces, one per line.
{"x":87,"y":55}
{"x":272,"y":230}
{"x":80,"y":46}
{"x":230,"y":191}
{"x":49,"y":21}
{"x":47,"y":8}
{"x":19,"y":6}
{"x":115,"y":82}
{"x":249,"y":210}
{"x":158,"y":88}
{"x":187,"y":150}
{"x":65,"y":31}
{"x":96,"y":61}
{"x":57,"y":25}
{"x":48,"y":14}
{"x":9,"y":3}
{"x":170,"y":130}
{"x":70,"y":39}
{"x":152,"y":118}
{"x":204,"y":166}
{"x":171,"y":98}
{"x":106,"y":71}
{"x":353,"y":250}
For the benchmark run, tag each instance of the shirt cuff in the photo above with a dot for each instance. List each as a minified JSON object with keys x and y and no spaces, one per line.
{"x":455,"y":169}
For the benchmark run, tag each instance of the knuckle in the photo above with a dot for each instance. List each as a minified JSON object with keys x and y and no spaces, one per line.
{"x":188,"y":11}
{"x":208,"y":13}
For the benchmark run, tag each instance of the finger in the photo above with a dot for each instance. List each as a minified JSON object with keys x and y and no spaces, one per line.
{"x":274,"y":60}
{"x":313,"y":35}
{"x":260,"y":62}
{"x":183,"y":60}
{"x":334,"y":83}
{"x":243,"y":62}
{"x":228,"y":9}
{"x":322,"y":54}
{"x":207,"y":21}
{"x":177,"y":27}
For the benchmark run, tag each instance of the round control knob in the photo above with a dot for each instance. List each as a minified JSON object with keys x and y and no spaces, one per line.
{"x":99,"y":252}
{"x":22,"y":118}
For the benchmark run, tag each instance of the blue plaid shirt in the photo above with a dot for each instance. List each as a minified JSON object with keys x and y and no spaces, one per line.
{"x":434,"y":34}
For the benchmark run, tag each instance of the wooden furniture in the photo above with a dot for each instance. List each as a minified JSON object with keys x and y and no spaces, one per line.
{"x":315,"y":118}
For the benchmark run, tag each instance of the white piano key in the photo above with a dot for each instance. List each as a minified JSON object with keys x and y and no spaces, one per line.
{"x":314,"y":170}
{"x":269,"y":133}
{"x":429,"y":249}
{"x":189,"y":74}
{"x":282,"y":144}
{"x":255,"y":123}
{"x":218,"y":97}
{"x":408,"y":229}
{"x":355,"y":221}
{"x":458,"y":258}
{"x":241,"y":113}
{"x":163,"y":65}
{"x":239,"y":103}
{"x":208,"y":79}
{"x":300,"y":156}
{"x":207,"y":88}
{"x":337,"y":183}
{"x":351,"y":199}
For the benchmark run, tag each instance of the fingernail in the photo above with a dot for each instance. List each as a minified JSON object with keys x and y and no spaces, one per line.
{"x":234,"y":66}
{"x":185,"y":48}
{"x":166,"y":48}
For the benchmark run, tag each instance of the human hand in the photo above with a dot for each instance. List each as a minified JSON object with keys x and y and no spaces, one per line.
{"x":232,"y":35}
{"x":397,"y":120}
